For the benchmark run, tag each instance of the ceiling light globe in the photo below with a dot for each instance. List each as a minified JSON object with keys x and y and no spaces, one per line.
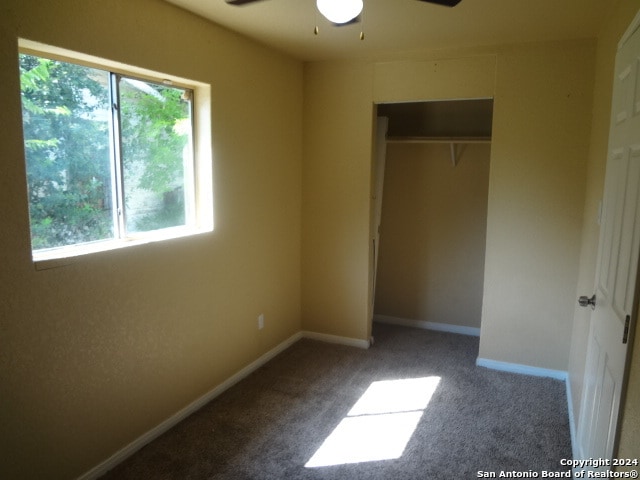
{"x":339,"y":11}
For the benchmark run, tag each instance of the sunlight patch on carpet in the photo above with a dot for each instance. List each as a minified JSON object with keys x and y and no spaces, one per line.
{"x":379,"y":425}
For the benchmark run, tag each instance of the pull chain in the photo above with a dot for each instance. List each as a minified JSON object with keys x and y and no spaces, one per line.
{"x":316,"y":29}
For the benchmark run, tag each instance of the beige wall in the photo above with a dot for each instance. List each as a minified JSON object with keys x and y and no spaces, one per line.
{"x":434,"y":217}
{"x":96,"y":353}
{"x":613,"y":27}
{"x":542,"y":114}
{"x":338,"y":132}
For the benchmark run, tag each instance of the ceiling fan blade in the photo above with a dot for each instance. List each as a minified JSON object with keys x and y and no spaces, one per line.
{"x":240,"y":2}
{"x":446,"y":3}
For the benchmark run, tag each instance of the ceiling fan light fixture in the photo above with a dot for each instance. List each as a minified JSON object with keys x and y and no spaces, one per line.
{"x":339,"y":11}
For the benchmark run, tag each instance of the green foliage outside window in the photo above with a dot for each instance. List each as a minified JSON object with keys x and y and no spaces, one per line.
{"x":70,"y":148}
{"x":67,"y":152}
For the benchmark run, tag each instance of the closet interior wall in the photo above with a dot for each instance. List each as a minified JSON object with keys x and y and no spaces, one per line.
{"x":434,"y":215}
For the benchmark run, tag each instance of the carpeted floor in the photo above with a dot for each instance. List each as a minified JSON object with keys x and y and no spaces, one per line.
{"x":272,"y":423}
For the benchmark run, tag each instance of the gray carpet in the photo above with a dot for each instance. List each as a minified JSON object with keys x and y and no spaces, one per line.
{"x":270,"y":425}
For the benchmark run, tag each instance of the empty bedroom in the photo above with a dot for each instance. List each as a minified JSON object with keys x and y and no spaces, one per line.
{"x":249,"y":239}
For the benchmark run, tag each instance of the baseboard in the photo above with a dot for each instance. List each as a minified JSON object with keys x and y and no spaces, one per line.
{"x":148,"y":437}
{"x":325,"y":337}
{"x":124,"y":453}
{"x":572,"y":422}
{"x":440,"y":327}
{"x":522,"y":369}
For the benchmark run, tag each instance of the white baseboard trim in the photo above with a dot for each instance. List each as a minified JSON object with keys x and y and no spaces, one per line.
{"x":440,"y":327}
{"x":124,"y":453}
{"x":522,"y":369}
{"x":325,"y":337}
{"x":572,"y":421}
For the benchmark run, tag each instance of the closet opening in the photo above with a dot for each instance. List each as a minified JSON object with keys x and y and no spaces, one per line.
{"x":429,"y":215}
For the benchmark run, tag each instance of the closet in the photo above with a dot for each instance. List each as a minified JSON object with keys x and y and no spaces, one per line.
{"x":433,"y":173}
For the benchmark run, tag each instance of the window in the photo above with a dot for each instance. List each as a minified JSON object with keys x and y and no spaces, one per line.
{"x":112,"y":157}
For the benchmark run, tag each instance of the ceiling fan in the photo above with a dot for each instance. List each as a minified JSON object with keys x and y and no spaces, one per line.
{"x":344,"y":12}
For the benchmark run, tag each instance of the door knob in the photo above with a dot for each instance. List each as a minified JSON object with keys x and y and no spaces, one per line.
{"x":585,"y":301}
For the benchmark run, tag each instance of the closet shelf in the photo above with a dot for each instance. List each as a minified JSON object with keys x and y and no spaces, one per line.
{"x":452,"y":141}
{"x":438,"y":139}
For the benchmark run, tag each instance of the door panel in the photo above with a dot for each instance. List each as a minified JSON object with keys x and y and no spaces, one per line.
{"x":617,"y":263}
{"x":378,"y":190}
{"x":628,"y":254}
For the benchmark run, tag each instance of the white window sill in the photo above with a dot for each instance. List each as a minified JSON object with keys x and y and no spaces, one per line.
{"x":60,"y":257}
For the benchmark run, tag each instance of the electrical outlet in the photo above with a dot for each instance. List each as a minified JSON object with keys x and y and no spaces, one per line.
{"x":261,"y":321}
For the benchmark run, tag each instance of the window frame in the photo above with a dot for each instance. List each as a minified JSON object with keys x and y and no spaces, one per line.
{"x":201,"y":174}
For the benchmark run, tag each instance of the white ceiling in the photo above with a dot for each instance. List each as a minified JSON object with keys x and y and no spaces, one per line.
{"x":392,"y":26}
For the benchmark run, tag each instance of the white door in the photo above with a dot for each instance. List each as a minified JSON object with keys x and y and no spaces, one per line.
{"x":617,"y":262}
{"x":378,"y":189}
